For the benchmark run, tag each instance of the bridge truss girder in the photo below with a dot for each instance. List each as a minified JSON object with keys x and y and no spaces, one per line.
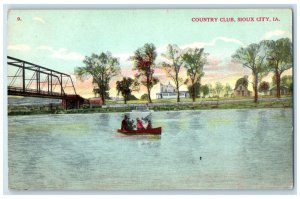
{"x":53,"y":78}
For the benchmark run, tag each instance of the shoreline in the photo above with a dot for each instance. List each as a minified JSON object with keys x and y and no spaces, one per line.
{"x":282,"y":103}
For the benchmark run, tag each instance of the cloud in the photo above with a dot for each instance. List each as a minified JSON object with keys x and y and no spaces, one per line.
{"x":126,"y":63}
{"x":277,"y":33}
{"x":39,"y":19}
{"x":19,"y":47}
{"x":62,"y":53}
{"x":223,"y":70}
{"x":228,"y":40}
{"x":124,"y":59}
{"x":213,"y":42}
{"x":128,"y":72}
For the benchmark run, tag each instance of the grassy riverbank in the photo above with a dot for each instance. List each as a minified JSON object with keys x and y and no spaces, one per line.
{"x":242,"y":105}
{"x":231,"y":105}
{"x":155,"y":101}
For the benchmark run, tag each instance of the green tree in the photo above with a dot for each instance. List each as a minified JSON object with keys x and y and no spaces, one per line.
{"x":291,"y":87}
{"x":194,"y":61}
{"x":213,"y":92}
{"x":124,"y":87}
{"x":210,"y":88}
{"x":205,"y":90}
{"x":101,"y":68}
{"x":144,"y":66}
{"x":197,"y":87}
{"x":253,"y":57}
{"x":144,"y":97}
{"x":218,"y":88}
{"x":279,"y":56}
{"x":227,"y":89}
{"x":173,"y":65}
{"x":287,"y":80}
{"x":97,"y":90}
{"x":264,"y":87}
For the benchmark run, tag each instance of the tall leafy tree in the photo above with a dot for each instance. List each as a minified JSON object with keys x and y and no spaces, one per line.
{"x":144,"y":65}
{"x":287,"y":80}
{"x":279,"y":56}
{"x":172,"y":66}
{"x":213,"y":92}
{"x":196,"y":88}
{"x":125,"y":88}
{"x":264,"y":87}
{"x":205,"y":90}
{"x":291,"y":87}
{"x":253,"y":57}
{"x":101,"y":68}
{"x":194,"y":61}
{"x":219,"y":88}
{"x":210,"y":90}
{"x":227,"y":89}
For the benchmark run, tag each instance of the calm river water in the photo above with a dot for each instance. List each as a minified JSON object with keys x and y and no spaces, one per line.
{"x":209,"y":149}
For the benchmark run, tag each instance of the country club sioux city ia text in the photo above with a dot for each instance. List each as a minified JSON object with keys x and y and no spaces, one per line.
{"x":235,"y":19}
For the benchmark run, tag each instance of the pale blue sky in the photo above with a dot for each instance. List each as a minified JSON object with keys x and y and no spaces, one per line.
{"x":60,"y":39}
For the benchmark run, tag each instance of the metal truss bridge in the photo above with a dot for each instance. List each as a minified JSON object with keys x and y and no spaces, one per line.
{"x":32,"y":80}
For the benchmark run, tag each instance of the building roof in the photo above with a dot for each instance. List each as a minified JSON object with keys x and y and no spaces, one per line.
{"x":173,"y":92}
{"x":281,"y":87}
{"x":237,"y":88}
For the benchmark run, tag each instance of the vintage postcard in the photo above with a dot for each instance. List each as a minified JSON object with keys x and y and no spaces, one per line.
{"x":150,"y":99}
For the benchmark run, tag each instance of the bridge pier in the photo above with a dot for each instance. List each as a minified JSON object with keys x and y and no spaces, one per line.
{"x":72,"y":102}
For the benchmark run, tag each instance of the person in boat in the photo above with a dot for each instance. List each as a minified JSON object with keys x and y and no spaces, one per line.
{"x":139,"y":124}
{"x":149,"y":126}
{"x":124,"y":125}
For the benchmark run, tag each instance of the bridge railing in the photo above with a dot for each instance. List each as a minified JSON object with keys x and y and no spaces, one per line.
{"x":33,"y":91}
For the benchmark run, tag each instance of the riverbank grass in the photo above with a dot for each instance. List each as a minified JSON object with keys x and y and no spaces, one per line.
{"x":233,"y":105}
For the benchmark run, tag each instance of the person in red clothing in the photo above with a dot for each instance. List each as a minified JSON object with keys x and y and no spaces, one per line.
{"x":139,"y":124}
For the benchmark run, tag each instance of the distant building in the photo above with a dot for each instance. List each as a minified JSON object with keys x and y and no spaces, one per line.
{"x":241,"y":90}
{"x":283,"y":90}
{"x":169,"y":92}
{"x":117,"y":98}
{"x":95,"y":102}
{"x":73,"y":101}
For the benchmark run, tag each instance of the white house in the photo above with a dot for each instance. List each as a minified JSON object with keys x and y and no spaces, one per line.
{"x":169,"y":92}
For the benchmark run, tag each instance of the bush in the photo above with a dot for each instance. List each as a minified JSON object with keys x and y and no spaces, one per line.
{"x":132,"y":97}
{"x":144,"y":97}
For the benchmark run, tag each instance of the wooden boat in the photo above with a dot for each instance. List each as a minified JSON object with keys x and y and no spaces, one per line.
{"x":153,"y":131}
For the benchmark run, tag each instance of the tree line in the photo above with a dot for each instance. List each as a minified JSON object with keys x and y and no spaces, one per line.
{"x":265,"y":57}
{"x":218,"y":89}
{"x":262,"y":58}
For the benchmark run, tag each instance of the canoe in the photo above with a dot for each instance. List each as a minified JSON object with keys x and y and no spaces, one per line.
{"x":153,"y":131}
